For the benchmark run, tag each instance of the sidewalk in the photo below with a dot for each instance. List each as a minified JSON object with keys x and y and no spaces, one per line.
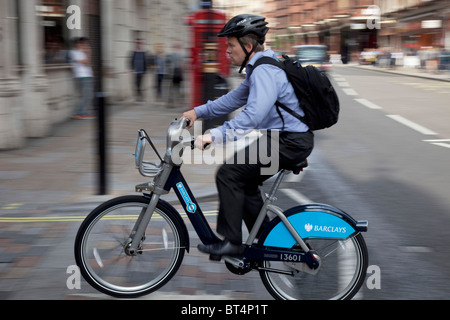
{"x":411,"y":72}
{"x":63,"y":168}
{"x":48,"y":187}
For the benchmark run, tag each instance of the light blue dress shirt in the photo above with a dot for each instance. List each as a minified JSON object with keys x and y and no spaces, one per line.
{"x":258,"y":92}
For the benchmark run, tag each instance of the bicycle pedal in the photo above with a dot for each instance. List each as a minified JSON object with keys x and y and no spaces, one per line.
{"x":215,"y":257}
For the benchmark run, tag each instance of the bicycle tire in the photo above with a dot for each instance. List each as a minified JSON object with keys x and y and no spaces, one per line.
{"x":337,"y":279}
{"x":100,"y":242}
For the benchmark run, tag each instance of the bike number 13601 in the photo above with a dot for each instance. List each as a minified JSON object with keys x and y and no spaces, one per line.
{"x":291,"y":257}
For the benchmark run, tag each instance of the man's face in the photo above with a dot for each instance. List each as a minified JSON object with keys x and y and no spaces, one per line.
{"x":82,"y":45}
{"x":235,"y":52}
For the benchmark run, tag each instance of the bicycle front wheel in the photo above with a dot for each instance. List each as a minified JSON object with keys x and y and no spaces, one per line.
{"x":100,"y":248}
{"x":342,"y":272}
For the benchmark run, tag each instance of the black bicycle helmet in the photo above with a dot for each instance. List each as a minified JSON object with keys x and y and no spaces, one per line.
{"x":242,"y":25}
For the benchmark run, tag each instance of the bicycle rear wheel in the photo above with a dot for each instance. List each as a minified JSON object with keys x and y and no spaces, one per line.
{"x":340,"y":276}
{"x":103,"y":236}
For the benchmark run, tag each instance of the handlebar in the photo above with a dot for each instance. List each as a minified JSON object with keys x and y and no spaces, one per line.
{"x":176,"y":135}
{"x":182,"y":124}
{"x":185,"y":122}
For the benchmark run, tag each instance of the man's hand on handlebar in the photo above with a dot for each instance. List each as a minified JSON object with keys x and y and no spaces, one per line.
{"x":203,"y":141}
{"x":191,"y":116}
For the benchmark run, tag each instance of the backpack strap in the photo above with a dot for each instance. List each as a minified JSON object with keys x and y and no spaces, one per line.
{"x":290,"y":111}
{"x":279,"y":113}
{"x":268,"y":60}
{"x":274,"y":62}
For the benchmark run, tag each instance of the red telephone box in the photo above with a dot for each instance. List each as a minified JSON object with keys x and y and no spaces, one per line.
{"x":208,"y":53}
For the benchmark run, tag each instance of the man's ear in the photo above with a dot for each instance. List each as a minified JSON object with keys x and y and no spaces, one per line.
{"x":249,"y":47}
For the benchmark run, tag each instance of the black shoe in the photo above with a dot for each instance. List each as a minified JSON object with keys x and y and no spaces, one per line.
{"x":219,"y":249}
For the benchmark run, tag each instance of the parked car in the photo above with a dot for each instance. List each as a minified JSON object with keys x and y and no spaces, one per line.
{"x":315,"y":55}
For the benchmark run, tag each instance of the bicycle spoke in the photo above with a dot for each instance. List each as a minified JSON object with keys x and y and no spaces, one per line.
{"x":100,"y":249}
{"x":341,"y":272}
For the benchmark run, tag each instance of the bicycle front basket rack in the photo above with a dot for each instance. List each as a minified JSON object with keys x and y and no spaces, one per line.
{"x":146,"y":168}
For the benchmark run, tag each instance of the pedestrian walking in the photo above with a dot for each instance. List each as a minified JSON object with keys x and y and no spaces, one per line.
{"x":139,"y":67}
{"x":81,"y":65}
{"x":177,"y":65}
{"x":160,"y":66}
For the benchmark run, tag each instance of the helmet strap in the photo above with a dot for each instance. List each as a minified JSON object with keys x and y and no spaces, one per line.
{"x":247,"y":54}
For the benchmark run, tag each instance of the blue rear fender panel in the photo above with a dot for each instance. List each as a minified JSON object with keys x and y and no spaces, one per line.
{"x":310,"y":221}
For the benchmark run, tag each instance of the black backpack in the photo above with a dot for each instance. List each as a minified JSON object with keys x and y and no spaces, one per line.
{"x":314,"y":91}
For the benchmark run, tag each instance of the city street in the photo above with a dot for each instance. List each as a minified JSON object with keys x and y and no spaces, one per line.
{"x":386,"y":161}
{"x":395,"y":174}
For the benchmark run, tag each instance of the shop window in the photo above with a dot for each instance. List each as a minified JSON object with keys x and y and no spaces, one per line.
{"x":56,"y":34}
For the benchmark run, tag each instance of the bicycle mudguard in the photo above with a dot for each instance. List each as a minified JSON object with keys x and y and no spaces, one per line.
{"x":311,"y":221}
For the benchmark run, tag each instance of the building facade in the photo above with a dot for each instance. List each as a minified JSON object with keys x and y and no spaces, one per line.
{"x":36,"y":81}
{"x":413,"y":25}
{"x":348,"y":27}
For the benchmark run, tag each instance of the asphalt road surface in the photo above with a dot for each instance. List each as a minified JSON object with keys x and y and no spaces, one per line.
{"x":387,"y":161}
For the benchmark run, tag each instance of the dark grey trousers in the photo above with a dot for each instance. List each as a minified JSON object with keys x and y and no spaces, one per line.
{"x":238,"y":182}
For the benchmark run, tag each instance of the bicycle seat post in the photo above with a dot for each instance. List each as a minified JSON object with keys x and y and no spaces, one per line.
{"x":276,"y":184}
{"x":263,"y":212}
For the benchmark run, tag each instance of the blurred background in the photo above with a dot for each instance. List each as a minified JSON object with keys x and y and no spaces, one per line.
{"x":37,"y":36}
{"x":148,"y":61}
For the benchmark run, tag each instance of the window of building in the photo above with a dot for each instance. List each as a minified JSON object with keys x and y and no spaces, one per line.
{"x":56,"y":34}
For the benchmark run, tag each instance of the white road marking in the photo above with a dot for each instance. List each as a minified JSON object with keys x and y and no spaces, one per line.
{"x":368,"y":104}
{"x":412,"y":125}
{"x":296,"y":196}
{"x":349,"y":91}
{"x":342,"y":84}
{"x":439,"y":142}
{"x":337,"y":77}
{"x":417,"y":249}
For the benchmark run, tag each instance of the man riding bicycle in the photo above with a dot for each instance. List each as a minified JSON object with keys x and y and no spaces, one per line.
{"x":238,"y":183}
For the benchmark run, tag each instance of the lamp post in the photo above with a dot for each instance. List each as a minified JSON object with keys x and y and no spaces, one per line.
{"x":101,"y":115}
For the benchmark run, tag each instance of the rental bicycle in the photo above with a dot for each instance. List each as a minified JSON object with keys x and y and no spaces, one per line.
{"x":132,"y":245}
